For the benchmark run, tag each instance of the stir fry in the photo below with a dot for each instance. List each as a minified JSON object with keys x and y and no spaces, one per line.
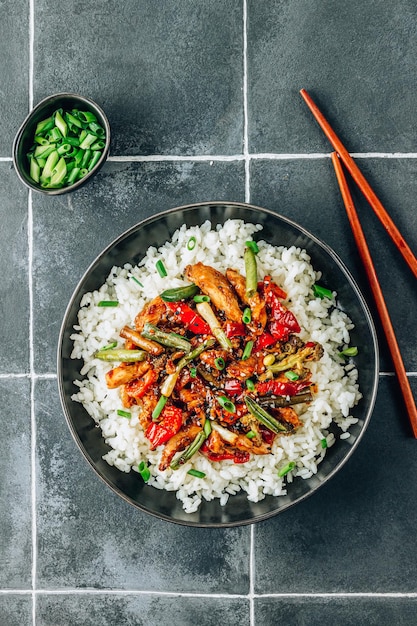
{"x":216,"y":366}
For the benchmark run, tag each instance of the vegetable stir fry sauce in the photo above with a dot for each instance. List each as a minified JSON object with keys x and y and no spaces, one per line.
{"x":216,"y":366}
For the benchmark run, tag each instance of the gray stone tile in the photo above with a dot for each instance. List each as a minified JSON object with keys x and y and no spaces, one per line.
{"x":306,"y":191}
{"x":14,"y":71}
{"x":16,"y":610}
{"x":132,"y":610}
{"x":356,"y":534}
{"x":89,"y":537}
{"x":70,"y":231}
{"x":170,"y":80}
{"x":15,"y":485}
{"x":357,"y":60}
{"x":14,"y":289}
{"x":336,"y":611}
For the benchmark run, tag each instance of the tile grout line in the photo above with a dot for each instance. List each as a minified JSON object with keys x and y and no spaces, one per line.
{"x":246,"y":155}
{"x":31,"y":332}
{"x":247,"y":199}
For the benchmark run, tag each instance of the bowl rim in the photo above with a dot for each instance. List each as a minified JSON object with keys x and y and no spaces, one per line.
{"x":18,"y":167}
{"x":370,"y":324}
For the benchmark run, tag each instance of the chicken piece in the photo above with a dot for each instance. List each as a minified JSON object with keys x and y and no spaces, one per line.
{"x":177,"y":443}
{"x":153,"y":312}
{"x":214,"y":284}
{"x":255,"y":302}
{"x":287,"y":415}
{"x":125,"y":372}
{"x":147,"y":405}
{"x":242,"y":370}
{"x":211,"y":357}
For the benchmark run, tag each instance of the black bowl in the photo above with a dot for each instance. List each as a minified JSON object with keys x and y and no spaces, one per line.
{"x":24,"y":137}
{"x":130,"y":247}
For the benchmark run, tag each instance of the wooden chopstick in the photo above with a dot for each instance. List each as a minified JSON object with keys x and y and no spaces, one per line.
{"x":377,"y":292}
{"x":363,"y":184}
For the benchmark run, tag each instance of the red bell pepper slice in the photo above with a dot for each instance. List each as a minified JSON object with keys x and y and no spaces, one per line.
{"x":237,"y":456}
{"x":235,"y":329}
{"x":264,"y":341}
{"x":280,"y":387}
{"x":233,"y":387}
{"x":160,"y":432}
{"x":268,"y":289}
{"x":189,"y":318}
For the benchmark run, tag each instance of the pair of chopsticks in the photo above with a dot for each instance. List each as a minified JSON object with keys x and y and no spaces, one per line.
{"x":342,"y":156}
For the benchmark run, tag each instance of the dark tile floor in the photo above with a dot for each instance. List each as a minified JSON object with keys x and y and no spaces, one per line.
{"x":203,"y":102}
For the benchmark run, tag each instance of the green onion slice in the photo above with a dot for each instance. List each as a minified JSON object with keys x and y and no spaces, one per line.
{"x":110,"y":346}
{"x":161,"y":268}
{"x":247,"y":316}
{"x":196,"y":473}
{"x":107,"y":303}
{"x":191,"y":243}
{"x":322,"y":292}
{"x":126,"y":414}
{"x":159,"y":407}
{"x":201,"y":298}
{"x":144,"y":471}
{"x":226,"y":404}
{"x":136,"y":280}
{"x":323,"y":443}
{"x":291,"y":375}
{"x":193,"y":372}
{"x":252,"y":245}
{"x":250,"y":384}
{"x":287,"y":468}
{"x":251,"y":434}
{"x":219,"y":363}
{"x":353,"y":351}
{"x":248,"y":350}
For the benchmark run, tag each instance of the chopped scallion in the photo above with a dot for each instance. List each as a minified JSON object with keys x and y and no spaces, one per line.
{"x":253,"y":245}
{"x":291,"y":375}
{"x":136,"y":281}
{"x":353,"y":351}
{"x":161,"y":268}
{"x":323,"y":443}
{"x":108,"y":303}
{"x":219,"y":363}
{"x":250,"y":384}
{"x":196,"y":473}
{"x":322,"y":292}
{"x":287,"y":468}
{"x":143,"y":470}
{"x":201,"y":298}
{"x":251,"y":434}
{"x":110,"y":346}
{"x":126,"y":414}
{"x":226,"y":404}
{"x":159,"y":407}
{"x":247,"y":316}
{"x":191,"y":243}
{"x":247,"y":351}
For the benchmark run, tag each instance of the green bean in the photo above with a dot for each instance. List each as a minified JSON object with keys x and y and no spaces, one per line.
{"x":171,"y":340}
{"x":190,"y":451}
{"x":264,"y":417}
{"x":179,"y":293}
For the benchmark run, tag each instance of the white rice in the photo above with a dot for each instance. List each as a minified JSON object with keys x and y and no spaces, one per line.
{"x":320,"y":319}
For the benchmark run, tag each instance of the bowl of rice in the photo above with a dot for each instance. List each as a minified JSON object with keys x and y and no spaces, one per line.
{"x":198,"y":488}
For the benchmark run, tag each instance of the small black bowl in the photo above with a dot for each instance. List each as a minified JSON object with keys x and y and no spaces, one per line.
{"x":130,"y":247}
{"x":24,"y":137}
